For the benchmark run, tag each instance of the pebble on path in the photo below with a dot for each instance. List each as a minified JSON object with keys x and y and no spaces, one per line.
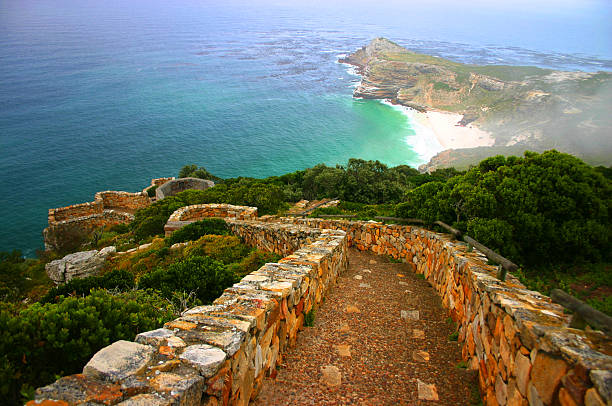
{"x":427,"y":391}
{"x":331,"y":376}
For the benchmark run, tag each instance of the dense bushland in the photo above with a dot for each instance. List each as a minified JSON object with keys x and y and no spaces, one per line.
{"x":548,"y":208}
{"x":45,"y":340}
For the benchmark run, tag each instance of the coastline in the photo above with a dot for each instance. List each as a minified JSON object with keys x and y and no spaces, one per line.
{"x":437,"y":130}
{"x":434,"y":130}
{"x":450,"y":135}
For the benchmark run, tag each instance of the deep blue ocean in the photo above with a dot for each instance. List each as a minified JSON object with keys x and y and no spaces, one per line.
{"x":105,"y":95}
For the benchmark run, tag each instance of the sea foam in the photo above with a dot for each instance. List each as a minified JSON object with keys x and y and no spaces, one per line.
{"x":422,"y":138}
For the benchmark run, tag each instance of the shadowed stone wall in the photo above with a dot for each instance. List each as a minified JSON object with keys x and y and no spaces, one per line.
{"x":196,"y":212}
{"x":175,"y":186}
{"x":109,"y":208}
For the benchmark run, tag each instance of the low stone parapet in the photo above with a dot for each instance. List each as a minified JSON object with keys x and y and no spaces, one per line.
{"x":123,"y":201}
{"x":74,"y":211}
{"x":189,"y":214}
{"x":78,"y":227}
{"x":217,"y":354}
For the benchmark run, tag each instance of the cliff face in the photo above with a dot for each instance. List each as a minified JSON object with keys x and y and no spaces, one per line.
{"x":524,"y":107}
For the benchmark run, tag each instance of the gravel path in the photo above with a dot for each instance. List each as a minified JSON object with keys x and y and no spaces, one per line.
{"x":380,"y":338}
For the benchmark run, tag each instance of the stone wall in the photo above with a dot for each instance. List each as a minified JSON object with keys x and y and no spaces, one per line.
{"x":217,"y":354}
{"x":108,"y":209}
{"x":189,"y":214}
{"x":74,"y":211}
{"x":517,"y":339}
{"x":123,"y":201}
{"x":58,"y":232}
{"x":175,"y":186}
{"x":157,"y":183}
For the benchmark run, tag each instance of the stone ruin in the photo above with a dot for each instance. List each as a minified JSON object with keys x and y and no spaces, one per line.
{"x":175,"y":186}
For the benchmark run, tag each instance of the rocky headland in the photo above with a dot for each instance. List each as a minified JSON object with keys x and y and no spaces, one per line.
{"x":508,"y":109}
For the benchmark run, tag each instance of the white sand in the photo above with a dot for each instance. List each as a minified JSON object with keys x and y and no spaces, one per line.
{"x":449,"y":134}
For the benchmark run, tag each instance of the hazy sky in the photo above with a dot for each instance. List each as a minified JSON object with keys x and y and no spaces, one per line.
{"x":563,"y":23}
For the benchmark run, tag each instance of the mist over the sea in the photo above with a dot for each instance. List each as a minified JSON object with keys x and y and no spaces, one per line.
{"x":105,"y":95}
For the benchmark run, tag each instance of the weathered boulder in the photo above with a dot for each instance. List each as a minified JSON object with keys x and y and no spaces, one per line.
{"x":78,"y":265}
{"x":179,"y":185}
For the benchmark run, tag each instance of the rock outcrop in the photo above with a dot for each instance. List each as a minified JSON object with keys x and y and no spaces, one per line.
{"x":78,"y":265}
{"x":522,"y":107}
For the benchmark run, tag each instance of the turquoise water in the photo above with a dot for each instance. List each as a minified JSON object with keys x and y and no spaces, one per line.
{"x":105,"y":95}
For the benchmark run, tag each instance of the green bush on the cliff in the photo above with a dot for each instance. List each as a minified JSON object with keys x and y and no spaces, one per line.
{"x":205,"y":276}
{"x":20,"y":277}
{"x":151,"y":191}
{"x":117,"y":279}
{"x":192,"y":171}
{"x":252,"y":262}
{"x":227,"y":249}
{"x":46,"y":340}
{"x":193,"y":231}
{"x":541,"y":209}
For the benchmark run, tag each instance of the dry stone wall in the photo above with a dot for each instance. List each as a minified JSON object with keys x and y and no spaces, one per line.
{"x":74,"y":211}
{"x":108,"y":209}
{"x":78,"y":227}
{"x":123,"y":201}
{"x":189,"y":214}
{"x":517,"y":339}
{"x":217,"y":354}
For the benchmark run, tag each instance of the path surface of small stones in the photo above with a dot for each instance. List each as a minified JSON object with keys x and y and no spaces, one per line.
{"x":380,"y":338}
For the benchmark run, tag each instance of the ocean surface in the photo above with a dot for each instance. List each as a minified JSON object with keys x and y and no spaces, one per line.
{"x":105,"y":95}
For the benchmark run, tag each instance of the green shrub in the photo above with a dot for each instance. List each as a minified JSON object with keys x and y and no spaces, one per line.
{"x":193,"y":231}
{"x":205,"y":276}
{"x":117,"y":279}
{"x":252,"y":262}
{"x":192,"y":171}
{"x":309,"y":318}
{"x":20,"y":277}
{"x":227,"y":249}
{"x":45,"y":340}
{"x":443,"y":86}
{"x":151,"y":191}
{"x":547,"y":208}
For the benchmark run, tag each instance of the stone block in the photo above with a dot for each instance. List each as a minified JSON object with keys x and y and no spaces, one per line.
{"x":146,"y":399}
{"x":155,"y":337}
{"x":184,"y":390}
{"x":603,"y":382}
{"x":205,"y":358}
{"x":546,"y":375}
{"x":592,"y":398}
{"x":522,"y":368}
{"x":119,"y":360}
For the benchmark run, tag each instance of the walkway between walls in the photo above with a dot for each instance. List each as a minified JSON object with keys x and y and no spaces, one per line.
{"x":380,"y":338}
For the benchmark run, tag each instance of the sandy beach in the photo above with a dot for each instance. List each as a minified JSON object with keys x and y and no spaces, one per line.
{"x":449,"y":134}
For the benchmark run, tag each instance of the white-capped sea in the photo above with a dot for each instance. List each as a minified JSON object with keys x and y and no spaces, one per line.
{"x":105,"y":95}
